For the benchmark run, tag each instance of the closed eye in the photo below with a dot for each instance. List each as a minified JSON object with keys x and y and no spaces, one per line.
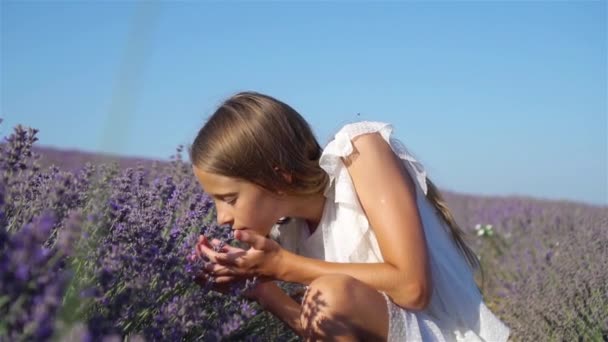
{"x":230,"y":200}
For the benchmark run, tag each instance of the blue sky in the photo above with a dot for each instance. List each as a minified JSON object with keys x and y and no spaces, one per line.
{"x":496,"y":98}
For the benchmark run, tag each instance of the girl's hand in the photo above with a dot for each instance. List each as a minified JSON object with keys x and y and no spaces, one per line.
{"x":221,"y":275}
{"x":262,"y":259}
{"x":220,"y":284}
{"x":209,"y":249}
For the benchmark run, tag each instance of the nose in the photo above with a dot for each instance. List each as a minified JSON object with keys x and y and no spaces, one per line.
{"x":223,"y":216}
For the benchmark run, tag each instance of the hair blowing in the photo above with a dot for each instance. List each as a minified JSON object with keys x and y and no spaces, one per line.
{"x":258,"y":138}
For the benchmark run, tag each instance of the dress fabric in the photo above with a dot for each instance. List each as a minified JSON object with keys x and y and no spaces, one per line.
{"x":456,"y":311}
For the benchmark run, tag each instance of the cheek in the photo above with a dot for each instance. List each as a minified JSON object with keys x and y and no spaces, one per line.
{"x":262,"y":214}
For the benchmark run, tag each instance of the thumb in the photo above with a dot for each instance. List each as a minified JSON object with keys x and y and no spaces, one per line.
{"x":254,"y":240}
{"x":202,"y":239}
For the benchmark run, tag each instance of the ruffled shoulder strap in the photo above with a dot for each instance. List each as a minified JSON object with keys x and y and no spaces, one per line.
{"x":341,"y":146}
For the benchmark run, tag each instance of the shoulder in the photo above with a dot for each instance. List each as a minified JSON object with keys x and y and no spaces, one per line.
{"x":371,"y":145}
{"x":354,"y":129}
{"x":372,"y":160}
{"x":373,"y":164}
{"x":342,"y":143}
{"x":375,"y":140}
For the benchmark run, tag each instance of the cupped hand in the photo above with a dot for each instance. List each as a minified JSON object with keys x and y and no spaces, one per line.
{"x":262,"y":259}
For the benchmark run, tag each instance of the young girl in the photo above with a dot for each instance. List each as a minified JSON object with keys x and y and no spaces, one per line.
{"x":359,"y":223}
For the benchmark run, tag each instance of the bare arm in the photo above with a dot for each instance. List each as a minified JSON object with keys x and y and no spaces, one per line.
{"x":387,"y":195}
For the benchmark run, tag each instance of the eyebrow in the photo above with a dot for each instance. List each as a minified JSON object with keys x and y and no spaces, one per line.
{"x":228,"y":194}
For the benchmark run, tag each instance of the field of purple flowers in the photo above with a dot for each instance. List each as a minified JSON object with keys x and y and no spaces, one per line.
{"x":101,"y":251}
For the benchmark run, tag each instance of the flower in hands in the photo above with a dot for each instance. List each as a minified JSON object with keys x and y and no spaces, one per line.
{"x":228,"y":264}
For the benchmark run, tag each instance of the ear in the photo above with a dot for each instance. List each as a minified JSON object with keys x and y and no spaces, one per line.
{"x":286,"y":175}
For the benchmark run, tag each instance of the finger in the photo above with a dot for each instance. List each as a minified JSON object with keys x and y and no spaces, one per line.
{"x":202,"y":241}
{"x":208,"y":267}
{"x":198,"y":251}
{"x":254,"y":240}
{"x":215,"y":269}
{"x":220,"y":271}
{"x":216,"y":242}
{"x":207,"y":251}
{"x":232,"y":249}
{"x":234,"y":259}
{"x":225,"y":279}
{"x":226,"y":248}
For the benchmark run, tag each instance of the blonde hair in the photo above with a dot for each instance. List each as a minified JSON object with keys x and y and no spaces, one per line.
{"x":253,"y":136}
{"x":256,"y":138}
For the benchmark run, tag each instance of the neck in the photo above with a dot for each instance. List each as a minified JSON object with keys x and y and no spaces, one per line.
{"x":308,"y":208}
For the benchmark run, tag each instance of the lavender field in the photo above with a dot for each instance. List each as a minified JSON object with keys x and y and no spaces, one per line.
{"x":102,"y":250}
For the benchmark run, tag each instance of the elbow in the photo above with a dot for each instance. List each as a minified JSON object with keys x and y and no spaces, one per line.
{"x":416,"y":296}
{"x":422,"y":297}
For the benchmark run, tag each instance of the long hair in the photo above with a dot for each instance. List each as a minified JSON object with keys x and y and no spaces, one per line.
{"x":254,"y":137}
{"x":257,"y":138}
{"x":436,"y":198}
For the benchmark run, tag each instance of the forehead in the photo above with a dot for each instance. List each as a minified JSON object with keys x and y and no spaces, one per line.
{"x":217,"y":184}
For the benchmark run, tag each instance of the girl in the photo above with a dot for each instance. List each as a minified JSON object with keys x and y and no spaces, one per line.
{"x":359,"y":223}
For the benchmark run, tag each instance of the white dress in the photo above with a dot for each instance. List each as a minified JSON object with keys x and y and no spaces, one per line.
{"x":456,"y":311}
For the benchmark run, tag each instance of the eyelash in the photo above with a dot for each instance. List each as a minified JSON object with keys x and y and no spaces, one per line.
{"x":231,"y":201}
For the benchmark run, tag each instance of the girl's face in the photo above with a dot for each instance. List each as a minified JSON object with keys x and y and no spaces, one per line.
{"x":242,"y":204}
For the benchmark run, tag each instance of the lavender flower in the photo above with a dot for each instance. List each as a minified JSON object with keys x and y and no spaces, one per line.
{"x":106,"y":253}
{"x":124,"y":235}
{"x":33,"y":279}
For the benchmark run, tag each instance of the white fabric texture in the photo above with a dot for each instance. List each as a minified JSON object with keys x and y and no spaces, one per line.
{"x":456,"y":311}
